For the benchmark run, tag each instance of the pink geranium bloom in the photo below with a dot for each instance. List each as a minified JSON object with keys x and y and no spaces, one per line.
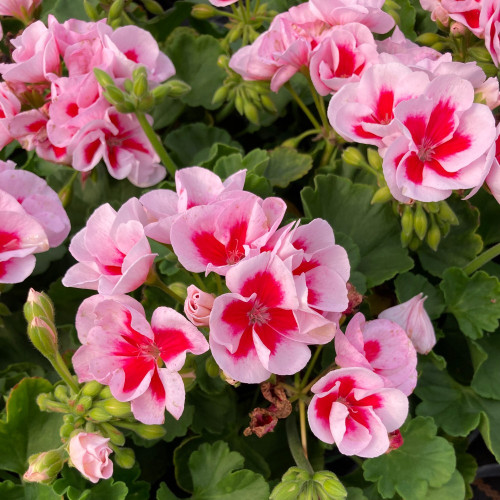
{"x":119,"y":140}
{"x":466,"y":12}
{"x":381,"y":346}
{"x":195,"y":186}
{"x":352,"y":408}
{"x":444,"y":143}
{"x":21,"y":236}
{"x":38,"y":199}
{"x":438,"y":12}
{"x":493,"y":178}
{"x":21,"y":9}
{"x":139,"y":361}
{"x":489,"y":21}
{"x":364,"y":111}
{"x":89,"y":453}
{"x":222,"y":3}
{"x":9,"y":107}
{"x":367,"y":12}
{"x":215,"y":237}
{"x":113,"y":252}
{"x":342,"y":56}
{"x":413,"y":318}
{"x":198,"y":306}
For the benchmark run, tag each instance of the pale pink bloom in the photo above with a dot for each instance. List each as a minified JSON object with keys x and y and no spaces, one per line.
{"x":413,"y":318}
{"x":444,"y":143}
{"x":381,"y":346}
{"x":21,"y":9}
{"x":341,"y":57}
{"x":364,"y":111}
{"x":367,"y":12}
{"x":9,"y":107}
{"x":198,"y":305}
{"x":316,"y":262}
{"x":36,"y":56}
{"x":38,"y":200}
{"x":215,"y":237}
{"x":493,"y":178}
{"x":113,"y":252}
{"x":139,"y":361}
{"x":89,"y":453}
{"x":438,"y":13}
{"x":119,"y":140}
{"x":222,"y":3}
{"x":489,"y":21}
{"x":352,"y":408}
{"x":195,"y":186}
{"x":253,"y":329}
{"x":466,"y":12}
{"x":488,"y":93}
{"x":21,"y":236}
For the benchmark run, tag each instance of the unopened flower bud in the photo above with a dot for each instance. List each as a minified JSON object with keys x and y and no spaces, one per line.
{"x":415,"y":243}
{"x":44,"y":467}
{"x":42,"y":401}
{"x":125,"y":107}
{"x":128,"y":85}
{"x":446,"y":214}
{"x":251,"y":112}
{"x":90,"y":10}
{"x":65,"y":431}
{"x":198,"y":306}
{"x":395,"y":440}
{"x":124,"y":457}
{"x":117,"y":408}
{"x":420,"y":222}
{"x":65,"y":194}
{"x":99,"y":415}
{"x":149,"y":432}
{"x":91,"y":388}
{"x":268,"y":103}
{"x":374,"y":159}
{"x":114,"y":95}
{"x":83,"y":404}
{"x":407,"y":221}
{"x":179,"y":289}
{"x":382,"y":195}
{"x":457,"y":29}
{"x":223,"y":62}
{"x":153,"y":7}
{"x":116,"y":9}
{"x":203,"y":11}
{"x":331,"y":484}
{"x":140,"y":86}
{"x":43,"y":334}
{"x":103,"y":78}
{"x":38,"y":304}
{"x":428,"y":39}
{"x":292,"y":486}
{"x":105,"y":393}
{"x":115,"y":436}
{"x":211,"y":367}
{"x":61,"y":393}
{"x":353,"y":156}
{"x":433,"y":236}
{"x":480,"y":54}
{"x":220,"y":95}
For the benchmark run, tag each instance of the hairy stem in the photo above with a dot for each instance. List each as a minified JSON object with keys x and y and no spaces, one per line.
{"x":482,"y":259}
{"x":296,"y":446}
{"x":302,"y":106}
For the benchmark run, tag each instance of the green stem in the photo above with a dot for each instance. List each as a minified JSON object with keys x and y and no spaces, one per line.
{"x":302,"y":106}
{"x":63,"y":371}
{"x":156,"y":143}
{"x":199,"y":281}
{"x":247,"y":3}
{"x":295,"y":445}
{"x":256,"y":8}
{"x":320,"y":105}
{"x":306,"y":389}
{"x":311,"y":366}
{"x":227,"y":14}
{"x":154,"y":280}
{"x":303,"y":430}
{"x":482,"y":259}
{"x":220,"y":291}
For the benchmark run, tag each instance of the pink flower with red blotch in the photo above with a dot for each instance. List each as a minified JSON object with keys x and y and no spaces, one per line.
{"x":253,"y":330}
{"x":139,"y":361}
{"x":89,"y":453}
{"x":352,"y":408}
{"x":489,"y":21}
{"x":9,"y":107}
{"x":466,"y":12}
{"x":413,"y":318}
{"x":38,"y":199}
{"x":222,"y":3}
{"x":364,"y":111}
{"x":493,"y":177}
{"x":217,"y":236}
{"x":367,"y":12}
{"x":438,"y":12}
{"x":444,"y":143}
{"x":21,"y":9}
{"x":113,"y":252}
{"x":341,"y":57}
{"x":119,"y":140}
{"x":381,"y":346}
{"x":195,"y":186}
{"x":21,"y":236}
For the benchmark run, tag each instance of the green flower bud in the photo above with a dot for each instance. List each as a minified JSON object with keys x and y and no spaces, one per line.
{"x":407,"y":221}
{"x":428,"y":39}
{"x":65,"y":194}
{"x":43,"y":400}
{"x":203,"y":11}
{"x":211,"y":367}
{"x":83,"y":404}
{"x":43,"y":334}
{"x":149,"y":432}
{"x":172,"y":88}
{"x":223,"y":62}
{"x":146,"y":103}
{"x":114,"y":95}
{"x":432,"y":207}
{"x":333,"y":488}
{"x":179,"y":288}
{"x":61,"y":393}
{"x":239,"y":102}
{"x":415,"y":243}
{"x":439,"y":46}
{"x":296,"y":474}
{"x":420,"y":222}
{"x":140,"y":86}
{"x":220,"y":95}
{"x":153,"y":7}
{"x":235,"y":33}
{"x":38,"y":304}
{"x":489,"y":69}
{"x":286,"y":491}
{"x":90,"y":10}
{"x":446,"y":214}
{"x":251,"y":112}
{"x":128,"y":85}
{"x":433,"y":235}
{"x":382,"y":195}
{"x":116,"y":9}
{"x":65,"y":431}
{"x":124,"y":457}
{"x":353,"y":156}
{"x":115,"y":436}
{"x":105,"y":393}
{"x":91,"y":389}
{"x":44,"y":467}
{"x":480,"y":54}
{"x":268,"y":103}
{"x":103,"y":78}
{"x":374,"y":159}
{"x":117,"y":408}
{"x":124,"y":107}
{"x":99,"y":415}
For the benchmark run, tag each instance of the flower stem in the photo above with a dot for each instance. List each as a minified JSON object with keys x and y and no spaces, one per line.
{"x":199,"y":281}
{"x":154,"y":280}
{"x":303,"y":430}
{"x":311,"y":366}
{"x":295,"y":445}
{"x":482,"y":259}
{"x":156,"y":143}
{"x":302,"y":106}
{"x":63,"y":371}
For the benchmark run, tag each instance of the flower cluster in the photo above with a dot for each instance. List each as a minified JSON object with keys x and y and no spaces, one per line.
{"x":32,"y":220}
{"x":430,"y":117}
{"x":51,"y":102}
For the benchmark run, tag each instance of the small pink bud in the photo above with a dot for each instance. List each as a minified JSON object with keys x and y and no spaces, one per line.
{"x":395,"y":440}
{"x":413,"y":318}
{"x":198,"y":306}
{"x":43,"y":334}
{"x":89,"y":453}
{"x":44,"y":467}
{"x":38,"y":304}
{"x":457,"y":29}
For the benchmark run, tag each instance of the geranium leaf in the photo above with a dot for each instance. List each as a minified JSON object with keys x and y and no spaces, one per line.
{"x":27,"y":491}
{"x":287,"y":165}
{"x":486,"y":380}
